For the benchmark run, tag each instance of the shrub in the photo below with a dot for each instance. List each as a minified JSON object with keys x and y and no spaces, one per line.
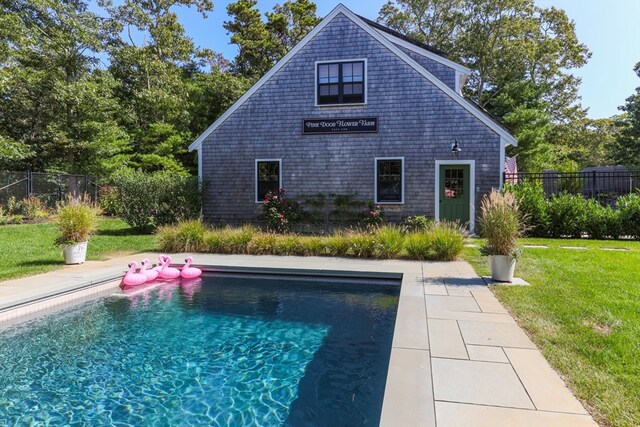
{"x":416,"y":223}
{"x":418,"y":246}
{"x":189,"y":236}
{"x":279,"y":212}
{"x":500,"y":222}
{"x":77,"y":220}
{"x":567,"y":215}
{"x":374,"y":216}
{"x":109,"y":201}
{"x":146,"y":201}
{"x":532,"y":204}
{"x":311,"y":245}
{"x":629,"y":207}
{"x":287,"y":245}
{"x":611,"y":217}
{"x":601,"y":221}
{"x":212,"y":241}
{"x":166,"y":238}
{"x":388,"y":242}
{"x":14,"y":207}
{"x":33,"y":208}
{"x":446,"y":241}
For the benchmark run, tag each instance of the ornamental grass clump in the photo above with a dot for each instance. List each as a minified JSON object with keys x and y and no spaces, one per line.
{"x":189,"y":236}
{"x":500,"y":223}
{"x":446,"y":241}
{"x":77,"y":220}
{"x":388,"y":242}
{"x":418,"y":246}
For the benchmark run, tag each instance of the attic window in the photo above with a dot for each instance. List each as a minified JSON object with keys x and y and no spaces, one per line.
{"x":341,"y":83}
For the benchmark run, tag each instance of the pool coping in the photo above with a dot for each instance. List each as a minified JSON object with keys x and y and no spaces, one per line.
{"x":411,"y":395}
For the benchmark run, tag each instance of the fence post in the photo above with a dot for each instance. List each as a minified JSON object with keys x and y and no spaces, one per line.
{"x":29,"y":183}
{"x":59,"y":188}
{"x":594,"y":180}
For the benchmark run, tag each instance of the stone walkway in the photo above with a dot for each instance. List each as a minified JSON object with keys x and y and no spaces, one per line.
{"x":458,"y":357}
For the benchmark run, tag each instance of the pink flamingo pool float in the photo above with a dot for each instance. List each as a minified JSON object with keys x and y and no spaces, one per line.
{"x":151,"y":274}
{"x":132,"y":278}
{"x":168,"y":272}
{"x":189,"y":272}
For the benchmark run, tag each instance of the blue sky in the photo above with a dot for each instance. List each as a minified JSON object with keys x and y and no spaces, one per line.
{"x":610,"y":28}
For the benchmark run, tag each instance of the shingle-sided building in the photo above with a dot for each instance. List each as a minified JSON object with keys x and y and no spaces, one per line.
{"x":355,"y":108}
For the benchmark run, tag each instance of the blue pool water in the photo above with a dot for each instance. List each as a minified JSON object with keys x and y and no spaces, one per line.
{"x":221,"y":351}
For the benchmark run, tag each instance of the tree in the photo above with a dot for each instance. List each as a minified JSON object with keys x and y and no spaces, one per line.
{"x":261,"y":44}
{"x":57,"y":109}
{"x":510,"y":45}
{"x":627,"y":147}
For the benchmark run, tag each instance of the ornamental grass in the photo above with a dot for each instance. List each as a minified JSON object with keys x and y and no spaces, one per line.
{"x":443,"y":241}
{"x":500,"y":223}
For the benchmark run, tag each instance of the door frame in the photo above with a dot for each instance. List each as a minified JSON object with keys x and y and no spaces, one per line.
{"x":472,"y":184}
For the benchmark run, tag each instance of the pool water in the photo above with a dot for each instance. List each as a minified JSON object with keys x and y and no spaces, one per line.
{"x":223,"y":350}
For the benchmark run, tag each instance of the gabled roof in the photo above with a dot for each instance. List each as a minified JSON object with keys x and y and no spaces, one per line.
{"x":382,"y":39}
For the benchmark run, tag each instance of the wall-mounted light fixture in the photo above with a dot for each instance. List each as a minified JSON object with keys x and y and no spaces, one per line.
{"x":455,"y":148}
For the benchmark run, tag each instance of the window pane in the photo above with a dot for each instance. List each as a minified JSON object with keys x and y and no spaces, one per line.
{"x":454,"y":183}
{"x":348,"y":89}
{"x":333,"y":90}
{"x":358,"y":75}
{"x":347,"y":72}
{"x":333,"y":73}
{"x":357,"y":88}
{"x":389,"y":181}
{"x":323,"y":74}
{"x":268,"y":178}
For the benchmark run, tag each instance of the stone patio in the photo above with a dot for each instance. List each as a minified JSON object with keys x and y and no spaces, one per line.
{"x":458,"y":357}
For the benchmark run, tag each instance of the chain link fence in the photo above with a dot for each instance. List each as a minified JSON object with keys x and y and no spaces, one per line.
{"x":49,"y":187}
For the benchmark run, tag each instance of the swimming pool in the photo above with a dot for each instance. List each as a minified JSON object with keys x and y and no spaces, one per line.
{"x":225,"y":350}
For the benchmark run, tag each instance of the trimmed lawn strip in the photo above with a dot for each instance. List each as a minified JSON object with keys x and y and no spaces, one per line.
{"x":582,"y":310}
{"x":28,"y":249}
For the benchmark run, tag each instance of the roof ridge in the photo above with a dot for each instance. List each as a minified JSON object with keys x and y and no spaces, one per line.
{"x":404,"y":37}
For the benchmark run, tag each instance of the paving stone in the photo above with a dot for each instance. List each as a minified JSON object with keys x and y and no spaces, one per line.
{"x":615,"y":249}
{"x":445,"y":339}
{"x":408,"y":395}
{"x":455,"y":303}
{"x":462,"y":415}
{"x":465,"y":282}
{"x":494,"y":334}
{"x":472,"y":316}
{"x":517,"y":281}
{"x":486,"y":353}
{"x":458,"y":291}
{"x":484,"y":383}
{"x":488,"y":302}
{"x":536,"y":246}
{"x":411,"y":324}
{"x":431,"y":289}
{"x":578,"y":248}
{"x":545,"y":387}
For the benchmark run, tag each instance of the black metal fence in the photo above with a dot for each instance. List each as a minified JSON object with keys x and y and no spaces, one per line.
{"x":604,"y":186}
{"x":50,"y":187}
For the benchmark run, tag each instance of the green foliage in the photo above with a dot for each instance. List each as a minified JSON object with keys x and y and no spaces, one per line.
{"x":500,"y":223}
{"x":418,"y":246}
{"x":446,"y":240}
{"x":279,"y":212}
{"x":108,"y":200}
{"x":77,"y":219}
{"x":189,"y":236}
{"x":389,"y":242}
{"x":567,"y":215}
{"x":602,"y":221}
{"x":32,"y":208}
{"x":361,"y":244}
{"x":626,"y":150}
{"x":374,"y":216}
{"x":532,"y":205}
{"x":262,"y":244}
{"x":417,"y":223}
{"x":146,"y":201}
{"x":629,"y":207}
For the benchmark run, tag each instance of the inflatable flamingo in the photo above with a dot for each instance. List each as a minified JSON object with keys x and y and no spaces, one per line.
{"x":160,"y":263}
{"x":189,"y":272}
{"x":151,"y":274}
{"x":168,"y":272}
{"x":132,"y":278}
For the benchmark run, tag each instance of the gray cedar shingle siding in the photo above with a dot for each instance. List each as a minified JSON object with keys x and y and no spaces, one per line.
{"x":417,"y":121}
{"x":441,"y":71}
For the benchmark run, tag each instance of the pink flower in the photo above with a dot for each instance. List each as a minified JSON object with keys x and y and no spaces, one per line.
{"x":266,"y":200}
{"x":275,"y":198}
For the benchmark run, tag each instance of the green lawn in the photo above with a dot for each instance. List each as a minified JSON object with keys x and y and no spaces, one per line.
{"x":583,"y":311}
{"x":28,"y":248}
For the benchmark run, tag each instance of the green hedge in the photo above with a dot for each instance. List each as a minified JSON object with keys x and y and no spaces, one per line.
{"x":443,"y":241}
{"x":570,"y":215}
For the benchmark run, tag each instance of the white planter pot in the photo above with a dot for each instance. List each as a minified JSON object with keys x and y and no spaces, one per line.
{"x":502,"y":267}
{"x":75,"y":254}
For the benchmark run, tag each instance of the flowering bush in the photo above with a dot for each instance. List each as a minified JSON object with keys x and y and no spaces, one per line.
{"x":279,"y":212}
{"x":375,"y":215}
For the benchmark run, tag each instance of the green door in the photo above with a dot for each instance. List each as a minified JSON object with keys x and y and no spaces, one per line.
{"x":454,"y":193}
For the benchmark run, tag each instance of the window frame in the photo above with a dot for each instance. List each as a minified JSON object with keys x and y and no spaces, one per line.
{"x":375,"y":180}
{"x":257,"y":175}
{"x":365,"y":78}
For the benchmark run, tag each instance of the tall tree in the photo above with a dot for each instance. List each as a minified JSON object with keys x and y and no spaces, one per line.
{"x":56,"y":106}
{"x":510,"y":45}
{"x":154,"y":66}
{"x":261,"y":44}
{"x":627,"y":147}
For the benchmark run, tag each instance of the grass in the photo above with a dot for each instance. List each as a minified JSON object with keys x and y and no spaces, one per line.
{"x":583,"y":311}
{"x":28,"y":248}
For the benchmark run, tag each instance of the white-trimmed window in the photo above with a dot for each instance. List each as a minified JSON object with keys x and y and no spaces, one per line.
{"x":389,"y":180}
{"x":341,"y":82}
{"x":268,"y":177}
